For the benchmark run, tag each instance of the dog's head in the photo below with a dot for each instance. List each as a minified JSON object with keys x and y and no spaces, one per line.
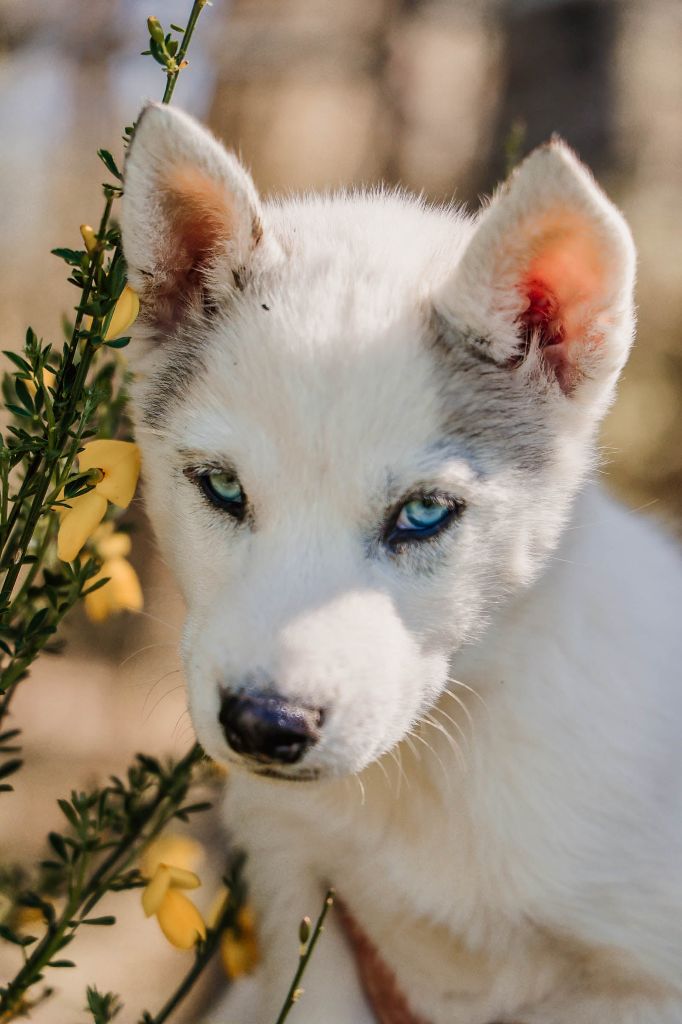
{"x":363,"y":421}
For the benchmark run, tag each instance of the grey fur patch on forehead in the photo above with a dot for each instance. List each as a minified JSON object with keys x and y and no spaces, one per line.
{"x":488,"y":410}
{"x":184,"y":360}
{"x":170,"y":382}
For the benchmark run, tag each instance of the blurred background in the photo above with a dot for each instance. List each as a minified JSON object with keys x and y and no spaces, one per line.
{"x":437,"y":95}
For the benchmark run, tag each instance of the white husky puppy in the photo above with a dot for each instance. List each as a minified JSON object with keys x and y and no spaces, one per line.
{"x":368,"y":427}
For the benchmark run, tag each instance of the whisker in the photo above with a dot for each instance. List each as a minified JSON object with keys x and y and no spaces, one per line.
{"x":434,"y":753}
{"x":177,"y":724}
{"x":396,"y":756}
{"x":469,"y":689}
{"x":413,"y":749}
{"x":141,"y":650}
{"x":454,"y":723}
{"x":162,"y":622}
{"x":380,"y":764}
{"x":172,"y":672}
{"x":462,"y":705}
{"x":188,"y":731}
{"x":161,"y":699}
{"x":456,"y":749}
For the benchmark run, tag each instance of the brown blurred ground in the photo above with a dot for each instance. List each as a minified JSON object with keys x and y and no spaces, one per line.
{"x":316,"y":93}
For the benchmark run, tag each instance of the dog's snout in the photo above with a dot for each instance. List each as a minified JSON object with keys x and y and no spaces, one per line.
{"x":267,"y":728}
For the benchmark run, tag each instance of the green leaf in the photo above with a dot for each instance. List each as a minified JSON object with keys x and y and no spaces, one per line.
{"x":109,"y":162}
{"x":104,"y":922}
{"x":69,"y":813}
{"x":10,"y":767}
{"x":196,"y":808}
{"x":118,"y":343}
{"x":71,"y":256}
{"x":103,"y":1006}
{"x":17,"y":940}
{"x":58,"y":845}
{"x":18,"y":411}
{"x":61,"y":963}
{"x":18,"y":361}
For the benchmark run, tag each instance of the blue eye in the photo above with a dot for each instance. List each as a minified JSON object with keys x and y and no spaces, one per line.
{"x":224,"y":491}
{"x":421,"y":518}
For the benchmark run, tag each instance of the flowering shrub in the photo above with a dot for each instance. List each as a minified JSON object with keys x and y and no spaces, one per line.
{"x":67,"y":472}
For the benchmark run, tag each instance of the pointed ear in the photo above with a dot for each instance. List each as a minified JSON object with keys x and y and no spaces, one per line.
{"x":191,"y":220}
{"x":545,"y":284}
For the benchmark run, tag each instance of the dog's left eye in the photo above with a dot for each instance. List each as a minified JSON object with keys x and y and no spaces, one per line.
{"x":420,"y":518}
{"x":224,"y":491}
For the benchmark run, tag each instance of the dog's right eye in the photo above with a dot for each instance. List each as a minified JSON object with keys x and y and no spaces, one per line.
{"x":224,"y":491}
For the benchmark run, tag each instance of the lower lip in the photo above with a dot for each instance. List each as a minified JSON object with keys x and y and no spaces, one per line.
{"x":270,"y":773}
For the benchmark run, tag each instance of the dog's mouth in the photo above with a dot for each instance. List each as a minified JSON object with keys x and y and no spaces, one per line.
{"x":269,"y":771}
{"x":302,"y":775}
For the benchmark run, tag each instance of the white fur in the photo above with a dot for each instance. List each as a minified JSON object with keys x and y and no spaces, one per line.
{"x":500,"y":802}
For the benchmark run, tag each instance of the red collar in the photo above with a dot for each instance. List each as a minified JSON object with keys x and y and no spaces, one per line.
{"x":389,"y":1004}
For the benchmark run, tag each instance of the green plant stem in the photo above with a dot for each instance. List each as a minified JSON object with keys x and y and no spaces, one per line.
{"x":173,"y":75}
{"x":294,"y":989}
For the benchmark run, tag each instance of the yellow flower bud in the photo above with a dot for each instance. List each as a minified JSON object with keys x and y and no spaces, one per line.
{"x":155,"y":29}
{"x":89,"y":238}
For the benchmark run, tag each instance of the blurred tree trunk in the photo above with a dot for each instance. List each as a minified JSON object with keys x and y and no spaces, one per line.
{"x":557,"y":76}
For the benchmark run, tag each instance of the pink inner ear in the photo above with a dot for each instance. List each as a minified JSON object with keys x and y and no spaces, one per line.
{"x":562,"y":287}
{"x":198,"y":222}
{"x":200,"y":217}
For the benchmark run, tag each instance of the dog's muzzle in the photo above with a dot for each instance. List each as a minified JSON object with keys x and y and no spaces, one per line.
{"x":267,"y":729}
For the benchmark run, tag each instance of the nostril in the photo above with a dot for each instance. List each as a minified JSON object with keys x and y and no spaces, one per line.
{"x":267,"y":728}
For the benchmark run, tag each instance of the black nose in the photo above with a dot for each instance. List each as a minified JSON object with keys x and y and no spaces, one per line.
{"x":267,"y":728}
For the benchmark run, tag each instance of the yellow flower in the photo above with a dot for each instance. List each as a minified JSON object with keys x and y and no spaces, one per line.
{"x":171,"y":848}
{"x":239,"y":949}
{"x":119,"y":465}
{"x":125,"y":313}
{"x":238,"y":946}
{"x":180,"y":921}
{"x":122,"y":591}
{"x":124,"y":316}
{"x":178,"y":918}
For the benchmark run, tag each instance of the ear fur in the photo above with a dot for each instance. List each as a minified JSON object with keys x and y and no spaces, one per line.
{"x":191,"y":218}
{"x":546,"y":281}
